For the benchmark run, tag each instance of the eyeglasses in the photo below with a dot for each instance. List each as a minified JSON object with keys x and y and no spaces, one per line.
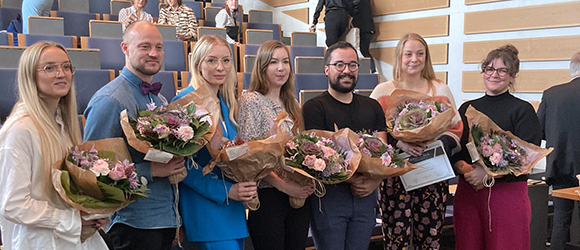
{"x":353,"y":66}
{"x":500,"y":72}
{"x":51,"y":70}
{"x":213,"y":62}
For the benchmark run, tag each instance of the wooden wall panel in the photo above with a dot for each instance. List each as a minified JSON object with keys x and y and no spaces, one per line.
{"x":382,"y":7}
{"x":387,"y":54}
{"x":426,"y":27}
{"x":441,"y":76}
{"x":278,"y":3}
{"x":469,"y":2}
{"x":529,"y":81}
{"x":523,"y":18}
{"x":559,"y":48}
{"x":300,"y":14}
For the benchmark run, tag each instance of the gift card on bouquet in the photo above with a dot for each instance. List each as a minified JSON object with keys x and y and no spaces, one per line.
{"x":435,"y":167}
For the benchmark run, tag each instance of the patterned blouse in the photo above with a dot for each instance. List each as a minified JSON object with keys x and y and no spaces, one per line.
{"x":183,"y":17}
{"x":256,"y":114}
{"x":125,"y":13}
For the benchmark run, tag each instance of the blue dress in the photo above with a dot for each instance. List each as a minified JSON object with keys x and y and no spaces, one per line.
{"x":208,"y":216}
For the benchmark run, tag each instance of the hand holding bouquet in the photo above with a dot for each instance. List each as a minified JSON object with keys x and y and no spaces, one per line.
{"x":500,"y":151}
{"x":380,"y":160}
{"x":321,"y":156}
{"x":250,"y":161}
{"x":177,"y":131}
{"x":98,"y":178}
{"x":412,"y":116}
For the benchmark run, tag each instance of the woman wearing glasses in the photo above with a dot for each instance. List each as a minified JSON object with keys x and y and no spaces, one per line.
{"x":213,"y":214}
{"x":40,"y":130}
{"x":275,"y":225}
{"x":505,"y":206}
{"x":417,"y":216}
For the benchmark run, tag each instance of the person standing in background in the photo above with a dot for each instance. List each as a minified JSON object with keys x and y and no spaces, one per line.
{"x":337,"y":18}
{"x":559,"y":116}
{"x":363,"y":19}
{"x":34,"y":8}
{"x":226,"y":18}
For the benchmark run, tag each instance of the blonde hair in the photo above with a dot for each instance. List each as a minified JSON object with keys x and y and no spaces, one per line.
{"x":228,"y":89}
{"x":52,"y":143}
{"x":261,"y":84}
{"x":427,"y":72}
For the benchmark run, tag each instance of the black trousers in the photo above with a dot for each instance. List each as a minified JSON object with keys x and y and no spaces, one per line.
{"x":335,"y":24}
{"x":276,"y":225}
{"x":129,"y":238}
{"x":365,"y":42}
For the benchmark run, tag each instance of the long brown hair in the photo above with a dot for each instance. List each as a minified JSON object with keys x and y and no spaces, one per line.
{"x":260,"y":83}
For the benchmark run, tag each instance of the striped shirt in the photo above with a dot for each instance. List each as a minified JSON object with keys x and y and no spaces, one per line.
{"x":183,"y":17}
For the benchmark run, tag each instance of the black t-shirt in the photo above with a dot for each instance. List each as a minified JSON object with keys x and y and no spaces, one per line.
{"x":363,"y":113}
{"x":510,"y":114}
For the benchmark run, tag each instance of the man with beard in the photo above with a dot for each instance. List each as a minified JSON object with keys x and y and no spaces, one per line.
{"x":148,"y":223}
{"x":345,"y":217}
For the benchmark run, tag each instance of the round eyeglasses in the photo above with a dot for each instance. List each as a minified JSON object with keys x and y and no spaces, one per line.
{"x":500,"y":71}
{"x":214,"y":62}
{"x":340,"y":66}
{"x":51,"y":70}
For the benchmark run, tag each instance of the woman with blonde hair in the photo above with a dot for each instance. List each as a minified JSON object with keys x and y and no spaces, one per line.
{"x":416,"y":217}
{"x":214,"y":218}
{"x":275,"y":225}
{"x":40,"y":130}
{"x":134,"y":13}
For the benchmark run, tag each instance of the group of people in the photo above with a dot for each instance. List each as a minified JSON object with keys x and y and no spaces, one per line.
{"x":177,"y":13}
{"x":43,"y":126}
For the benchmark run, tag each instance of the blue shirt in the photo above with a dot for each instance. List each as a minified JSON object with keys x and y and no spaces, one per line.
{"x":207,"y":213}
{"x":102,"y":114}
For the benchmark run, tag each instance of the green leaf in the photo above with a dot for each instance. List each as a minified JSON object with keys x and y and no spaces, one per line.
{"x":190,"y":109}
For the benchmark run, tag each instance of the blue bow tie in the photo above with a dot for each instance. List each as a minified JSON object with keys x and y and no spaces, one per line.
{"x":153,"y":88}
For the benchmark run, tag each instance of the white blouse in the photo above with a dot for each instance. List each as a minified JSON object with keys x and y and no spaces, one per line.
{"x":28,"y":218}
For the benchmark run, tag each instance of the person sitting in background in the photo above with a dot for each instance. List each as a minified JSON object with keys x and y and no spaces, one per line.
{"x":34,"y":8}
{"x":226,"y":18}
{"x":134,"y":13}
{"x":176,"y":13}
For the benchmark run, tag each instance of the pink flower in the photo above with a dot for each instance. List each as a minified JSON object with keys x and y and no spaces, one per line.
{"x":100,"y":167}
{"x":366,"y":152}
{"x":291,"y":145}
{"x":118,"y":172}
{"x":386,"y":159}
{"x":319,"y":164}
{"x":162,"y":131}
{"x":327,"y":151}
{"x":309,"y":160}
{"x":486,"y":150}
{"x":495,"y":158}
{"x":497,"y":148}
{"x":185,"y":133}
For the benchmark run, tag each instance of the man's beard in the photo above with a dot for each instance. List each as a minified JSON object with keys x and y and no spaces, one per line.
{"x":341,"y":88}
{"x":141,"y":69}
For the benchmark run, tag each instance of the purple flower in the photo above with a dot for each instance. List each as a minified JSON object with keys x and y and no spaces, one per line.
{"x":151,"y":106}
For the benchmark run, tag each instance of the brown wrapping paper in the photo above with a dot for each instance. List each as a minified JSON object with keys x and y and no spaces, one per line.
{"x":251,"y":161}
{"x":86,"y":179}
{"x":438,"y":124}
{"x":534,"y":153}
{"x":374,"y":168}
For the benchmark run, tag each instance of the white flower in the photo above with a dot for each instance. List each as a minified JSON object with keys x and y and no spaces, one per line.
{"x":185,"y":133}
{"x":101,"y":167}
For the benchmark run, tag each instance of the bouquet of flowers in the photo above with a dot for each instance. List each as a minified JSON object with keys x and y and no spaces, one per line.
{"x":412,"y":116}
{"x":243,"y":161}
{"x":98,"y":178}
{"x":177,"y":131}
{"x":321,"y":156}
{"x":500,"y":151}
{"x":380,"y":160}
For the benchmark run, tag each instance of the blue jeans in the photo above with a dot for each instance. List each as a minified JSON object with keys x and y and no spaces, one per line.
{"x":342,"y":221}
